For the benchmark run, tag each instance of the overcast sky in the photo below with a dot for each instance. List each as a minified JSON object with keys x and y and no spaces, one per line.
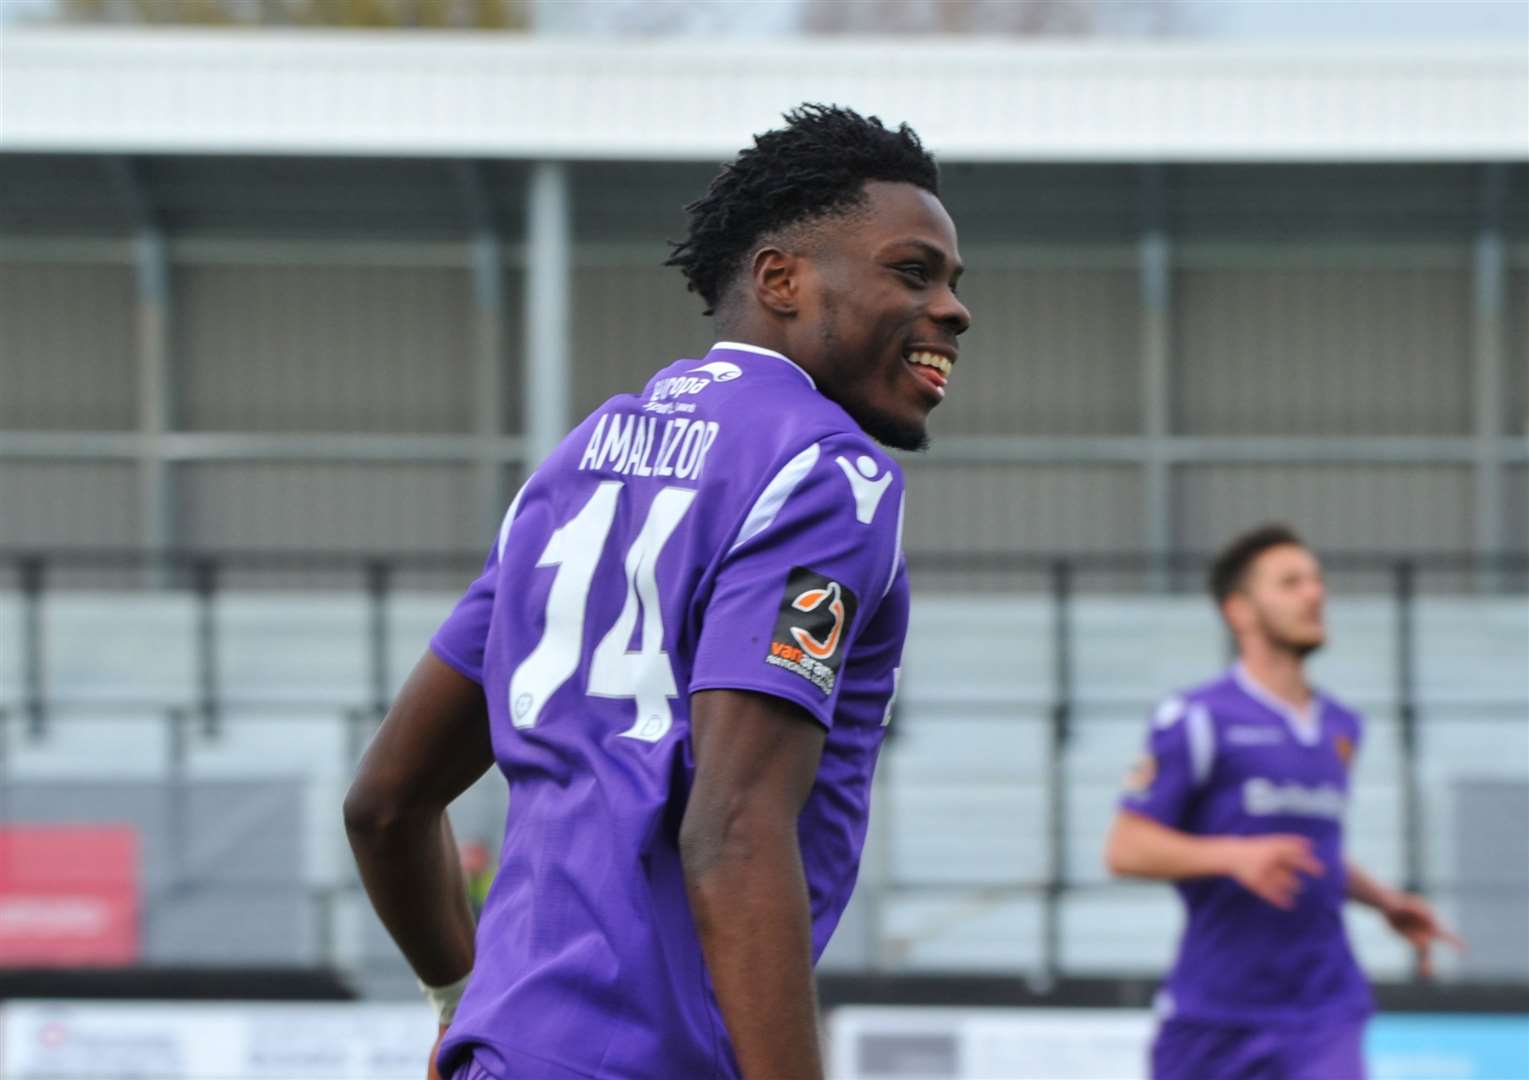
{"x":1506,"y":20}
{"x":1342,"y":20}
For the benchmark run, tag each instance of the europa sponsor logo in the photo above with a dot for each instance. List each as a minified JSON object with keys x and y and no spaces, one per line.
{"x":1265,"y":798}
{"x":815,"y":614}
{"x":694,"y":381}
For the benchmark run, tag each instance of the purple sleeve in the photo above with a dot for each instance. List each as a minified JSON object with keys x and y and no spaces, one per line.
{"x":813,"y":561}
{"x":460,"y":640}
{"x":1163,"y":780}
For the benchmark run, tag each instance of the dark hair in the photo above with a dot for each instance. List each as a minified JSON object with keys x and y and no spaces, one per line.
{"x":1230,"y":567}
{"x":815,"y":167}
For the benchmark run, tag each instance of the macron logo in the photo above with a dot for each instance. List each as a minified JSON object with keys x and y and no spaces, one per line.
{"x":867,"y":487}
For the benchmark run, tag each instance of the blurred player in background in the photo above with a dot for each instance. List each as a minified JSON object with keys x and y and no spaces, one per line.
{"x":477,"y":872}
{"x":1240,"y":801}
{"x":683,"y":649}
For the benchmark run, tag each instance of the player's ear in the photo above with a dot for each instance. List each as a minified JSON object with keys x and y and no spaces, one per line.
{"x":776,"y":277}
{"x":1235,"y":610}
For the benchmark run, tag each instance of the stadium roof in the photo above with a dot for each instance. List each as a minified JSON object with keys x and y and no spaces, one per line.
{"x":443,"y":94}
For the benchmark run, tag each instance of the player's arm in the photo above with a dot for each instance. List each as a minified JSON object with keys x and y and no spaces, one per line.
{"x":1409,"y":915}
{"x":1368,"y":890}
{"x":1141,"y":847}
{"x":1267,"y":866}
{"x":755,"y":760}
{"x":433,"y":744}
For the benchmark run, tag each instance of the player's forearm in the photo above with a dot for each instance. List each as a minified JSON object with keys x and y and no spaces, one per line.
{"x":412,"y":874}
{"x":1366,"y":890}
{"x":1141,"y":847}
{"x":748,"y":896}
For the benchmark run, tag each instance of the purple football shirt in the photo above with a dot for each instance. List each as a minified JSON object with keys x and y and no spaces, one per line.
{"x":730,"y":527}
{"x":1229,"y":759}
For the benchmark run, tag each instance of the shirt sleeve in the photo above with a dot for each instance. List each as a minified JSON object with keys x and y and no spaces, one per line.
{"x":459,"y":641}
{"x":1175,"y":763}
{"x":810,"y":564}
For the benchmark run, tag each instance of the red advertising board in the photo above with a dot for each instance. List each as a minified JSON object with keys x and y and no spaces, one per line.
{"x":69,"y":896}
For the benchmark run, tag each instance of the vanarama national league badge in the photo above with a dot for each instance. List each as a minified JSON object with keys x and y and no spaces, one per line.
{"x":816,"y":614}
{"x":1139,"y":779}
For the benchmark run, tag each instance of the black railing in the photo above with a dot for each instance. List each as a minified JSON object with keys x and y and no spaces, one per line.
{"x":208,"y":575}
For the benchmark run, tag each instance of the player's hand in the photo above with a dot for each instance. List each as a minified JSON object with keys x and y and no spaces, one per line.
{"x":432,"y":1073}
{"x":1413,"y":918}
{"x":1270,"y":867}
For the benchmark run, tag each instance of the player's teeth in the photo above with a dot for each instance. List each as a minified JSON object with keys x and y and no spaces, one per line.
{"x":934,"y":360}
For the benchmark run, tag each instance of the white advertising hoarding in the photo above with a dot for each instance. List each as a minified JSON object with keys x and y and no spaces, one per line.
{"x":163,"y":1040}
{"x":1112,"y":1044}
{"x":108,"y":1040}
{"x":901,"y":1043}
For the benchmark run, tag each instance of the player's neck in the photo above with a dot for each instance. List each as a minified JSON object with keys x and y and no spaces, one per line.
{"x":1280,"y":672}
{"x":755,"y":332}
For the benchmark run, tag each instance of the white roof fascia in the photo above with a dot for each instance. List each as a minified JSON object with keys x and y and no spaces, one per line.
{"x":456,"y":94}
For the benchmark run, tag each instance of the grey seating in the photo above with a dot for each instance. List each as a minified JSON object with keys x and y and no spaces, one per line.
{"x":961,"y":840}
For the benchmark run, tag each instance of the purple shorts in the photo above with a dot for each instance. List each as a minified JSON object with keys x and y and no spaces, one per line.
{"x":471,"y":1069}
{"x":1186,"y":1050}
{"x":484,"y":1063}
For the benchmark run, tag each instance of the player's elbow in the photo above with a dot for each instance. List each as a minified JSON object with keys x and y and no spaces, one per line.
{"x":733,"y":834}
{"x":375,"y":808}
{"x":706,"y":836}
{"x":699,"y":845}
{"x":367,"y":811}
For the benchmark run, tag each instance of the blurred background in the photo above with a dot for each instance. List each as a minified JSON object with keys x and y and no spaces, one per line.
{"x":294,"y":293}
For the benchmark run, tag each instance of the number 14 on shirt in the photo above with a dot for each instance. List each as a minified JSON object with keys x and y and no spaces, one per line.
{"x":645,"y":675}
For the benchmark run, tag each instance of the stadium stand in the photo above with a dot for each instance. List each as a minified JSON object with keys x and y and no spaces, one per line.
{"x":334,"y":316}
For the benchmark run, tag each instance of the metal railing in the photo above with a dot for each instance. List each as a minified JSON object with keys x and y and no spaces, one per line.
{"x":207,"y":577}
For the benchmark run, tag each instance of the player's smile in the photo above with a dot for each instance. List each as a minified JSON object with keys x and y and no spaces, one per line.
{"x":931,"y":365}
{"x":886,"y":317}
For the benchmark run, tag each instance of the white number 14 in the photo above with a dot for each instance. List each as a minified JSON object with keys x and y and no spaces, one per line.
{"x":644,"y":675}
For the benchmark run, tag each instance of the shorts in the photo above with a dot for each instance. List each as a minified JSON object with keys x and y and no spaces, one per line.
{"x":485,"y":1063}
{"x":1187,"y":1050}
{"x":472,"y":1069}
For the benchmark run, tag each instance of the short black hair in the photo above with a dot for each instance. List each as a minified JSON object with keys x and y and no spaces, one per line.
{"x":1230,"y":567}
{"x":815,"y":167}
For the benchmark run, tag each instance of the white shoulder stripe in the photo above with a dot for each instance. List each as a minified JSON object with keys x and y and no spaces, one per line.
{"x":897,"y":551}
{"x":775,"y":494}
{"x":1201,"y":733}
